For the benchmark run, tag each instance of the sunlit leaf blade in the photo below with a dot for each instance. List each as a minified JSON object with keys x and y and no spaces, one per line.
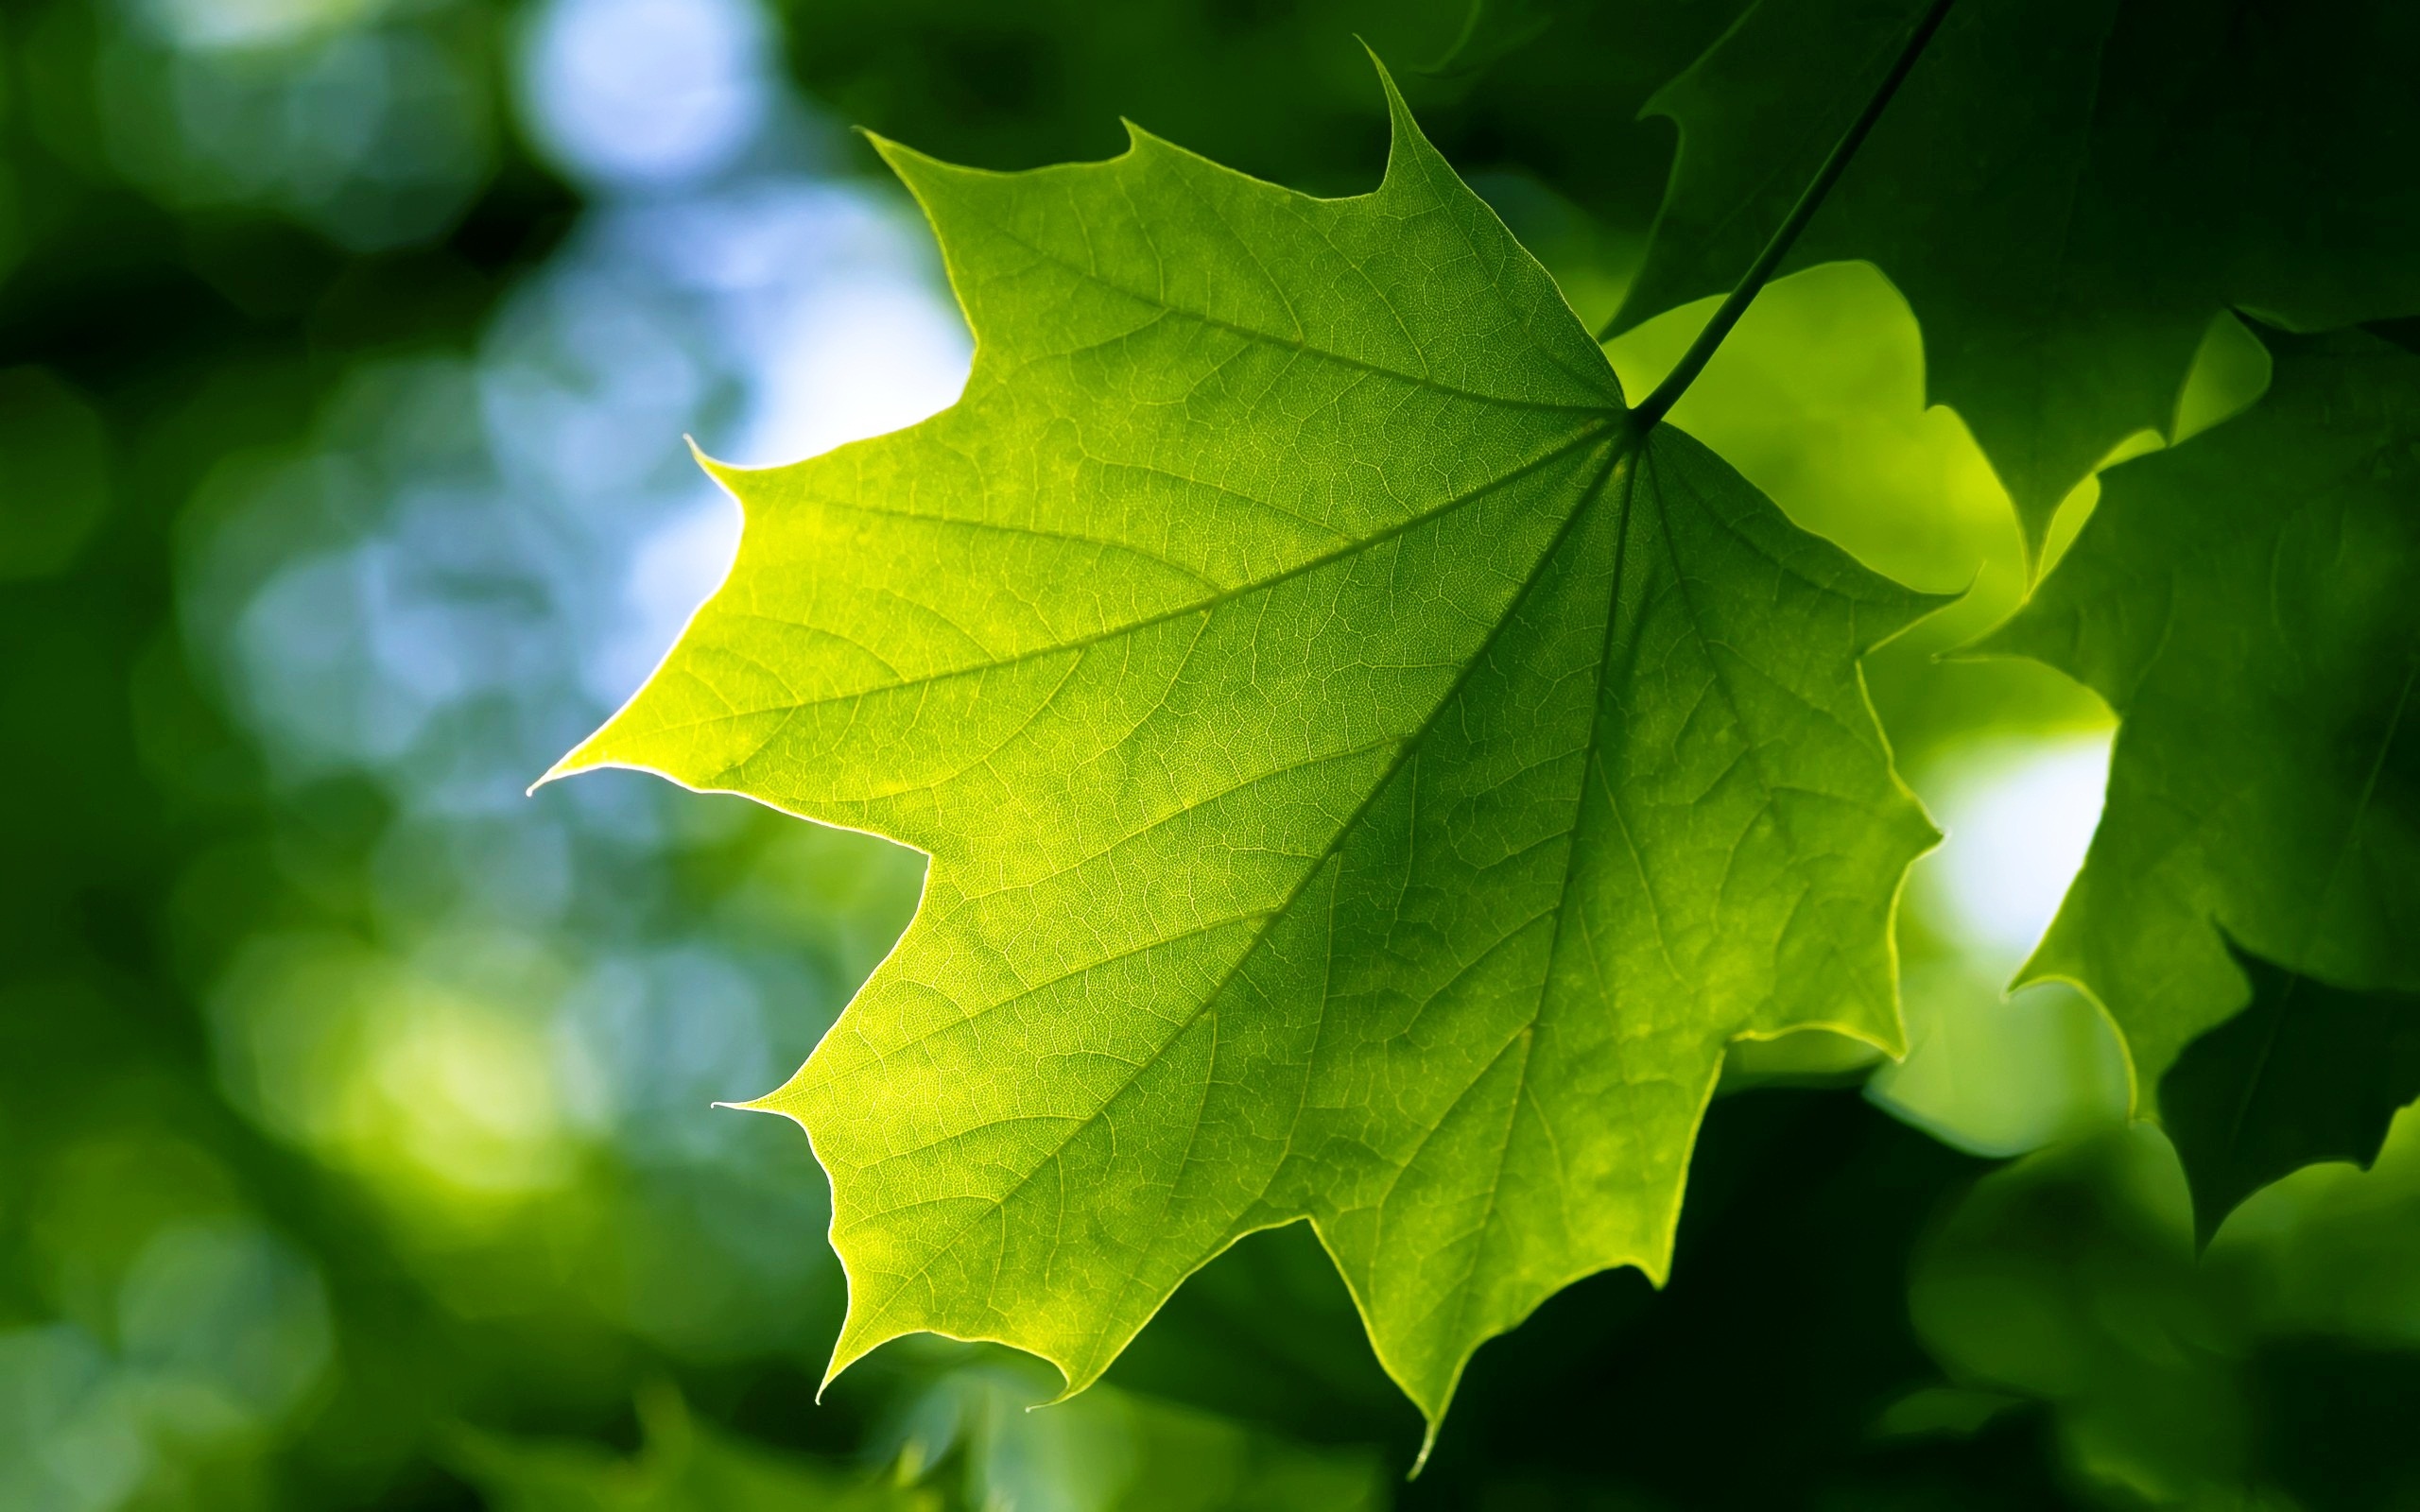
{"x":2306,"y":1073}
{"x":1364,"y":780}
{"x":2245,"y":601}
{"x":2065,"y":190}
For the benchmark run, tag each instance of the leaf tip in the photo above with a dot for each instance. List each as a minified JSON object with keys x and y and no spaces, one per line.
{"x":1397,"y":109}
{"x":723,"y":472}
{"x":1997,"y":642}
{"x":571,"y":763}
{"x":919,"y":171}
{"x":1915,"y":607}
{"x":857,"y":1339}
{"x":2033,"y":522}
{"x":1070,"y":1385}
{"x":769,"y":1103}
{"x":1405,"y":140}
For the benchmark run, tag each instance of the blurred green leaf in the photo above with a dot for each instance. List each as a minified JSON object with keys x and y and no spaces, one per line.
{"x":2065,"y":190}
{"x":683,"y":1467}
{"x":1367,"y":780}
{"x":1942,"y":1411}
{"x":990,"y":1437}
{"x":2068,"y":1276}
{"x":2247,"y":1378}
{"x":974,"y":1440}
{"x":54,"y":474}
{"x":2243,"y":601}
{"x":1491,"y":29}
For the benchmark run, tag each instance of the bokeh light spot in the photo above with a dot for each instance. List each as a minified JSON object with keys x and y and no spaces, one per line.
{"x":638,"y":92}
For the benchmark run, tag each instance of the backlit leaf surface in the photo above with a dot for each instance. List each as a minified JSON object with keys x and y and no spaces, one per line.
{"x":1366,"y":780}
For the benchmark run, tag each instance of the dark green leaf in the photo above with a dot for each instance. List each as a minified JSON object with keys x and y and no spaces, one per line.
{"x":1272,"y":87}
{"x":2066,"y":190}
{"x":2306,"y":1073}
{"x":2246,"y":602}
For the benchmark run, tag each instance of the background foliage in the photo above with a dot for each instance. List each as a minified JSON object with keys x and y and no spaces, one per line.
{"x":354,"y":1138}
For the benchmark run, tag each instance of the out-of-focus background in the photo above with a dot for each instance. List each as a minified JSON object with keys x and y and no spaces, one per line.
{"x":356,"y":1147}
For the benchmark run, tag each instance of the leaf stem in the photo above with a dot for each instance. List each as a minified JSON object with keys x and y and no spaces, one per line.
{"x":1693,"y":361}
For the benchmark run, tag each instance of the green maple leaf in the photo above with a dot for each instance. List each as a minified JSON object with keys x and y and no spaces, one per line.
{"x":2068,"y":192}
{"x":1367,"y":777}
{"x":2245,"y":602}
